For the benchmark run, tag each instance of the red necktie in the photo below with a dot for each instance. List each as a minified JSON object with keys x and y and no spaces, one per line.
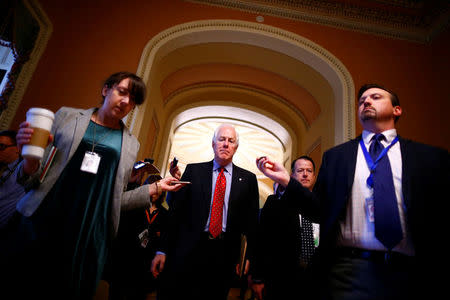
{"x":215,"y":224}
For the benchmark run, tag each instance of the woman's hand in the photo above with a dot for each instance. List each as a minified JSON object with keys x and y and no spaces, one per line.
{"x":168,"y":184}
{"x":23,"y":137}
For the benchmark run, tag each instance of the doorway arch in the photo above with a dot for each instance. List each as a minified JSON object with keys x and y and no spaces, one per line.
{"x":261,"y":35}
{"x":155,"y":121}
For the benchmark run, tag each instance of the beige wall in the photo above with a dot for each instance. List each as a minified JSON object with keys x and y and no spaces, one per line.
{"x":89,"y":42}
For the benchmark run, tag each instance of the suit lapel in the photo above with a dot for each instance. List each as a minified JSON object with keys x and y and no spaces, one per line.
{"x":206,"y":188}
{"x":234,"y":191}
{"x":127,"y":153}
{"x":81,"y":124}
{"x":344,"y":160}
{"x":405,"y":172}
{"x":352,"y":156}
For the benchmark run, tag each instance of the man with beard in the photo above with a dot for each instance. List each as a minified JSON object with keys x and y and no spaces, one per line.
{"x":376,"y":198}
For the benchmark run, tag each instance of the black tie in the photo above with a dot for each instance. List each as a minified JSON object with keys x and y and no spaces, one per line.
{"x":307,"y":241}
{"x":388,"y":229}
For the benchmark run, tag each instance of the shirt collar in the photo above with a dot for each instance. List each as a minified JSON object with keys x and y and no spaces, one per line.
{"x":388,"y":134}
{"x":228,"y":167}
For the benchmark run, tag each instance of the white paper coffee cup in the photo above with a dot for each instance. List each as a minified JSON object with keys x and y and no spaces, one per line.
{"x":41,"y":120}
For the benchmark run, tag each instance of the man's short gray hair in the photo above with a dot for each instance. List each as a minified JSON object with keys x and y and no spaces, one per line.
{"x":214,"y":139}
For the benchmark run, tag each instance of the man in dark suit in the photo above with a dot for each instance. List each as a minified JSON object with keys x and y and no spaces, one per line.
{"x":358,"y":259}
{"x":285,"y":242}
{"x":204,"y":236}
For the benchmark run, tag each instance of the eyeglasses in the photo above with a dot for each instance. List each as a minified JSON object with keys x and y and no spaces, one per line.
{"x":4,"y":146}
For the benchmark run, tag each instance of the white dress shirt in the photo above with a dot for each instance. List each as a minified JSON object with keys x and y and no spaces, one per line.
{"x":357,"y":230}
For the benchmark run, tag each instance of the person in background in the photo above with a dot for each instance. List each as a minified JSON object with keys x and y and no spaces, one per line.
{"x":200,"y":255}
{"x":10,"y":190}
{"x":138,"y":238}
{"x":285,"y":242}
{"x":69,"y":220}
{"x":377,"y":198}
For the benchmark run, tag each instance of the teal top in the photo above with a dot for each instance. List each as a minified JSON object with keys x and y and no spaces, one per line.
{"x":74,"y":218}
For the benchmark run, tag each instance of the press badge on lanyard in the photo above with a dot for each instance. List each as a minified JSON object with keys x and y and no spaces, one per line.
{"x":91,"y":160}
{"x":90,"y":163}
{"x":370,"y":209}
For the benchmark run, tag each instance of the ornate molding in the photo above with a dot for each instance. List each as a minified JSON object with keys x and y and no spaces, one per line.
{"x":45,"y":30}
{"x":156,"y":133}
{"x":269,"y":37}
{"x":421,"y":24}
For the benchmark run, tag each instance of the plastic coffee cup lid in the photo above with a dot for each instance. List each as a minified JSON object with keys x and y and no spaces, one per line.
{"x":41,"y":111}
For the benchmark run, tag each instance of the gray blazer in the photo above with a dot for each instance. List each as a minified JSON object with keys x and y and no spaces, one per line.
{"x":68,"y":129}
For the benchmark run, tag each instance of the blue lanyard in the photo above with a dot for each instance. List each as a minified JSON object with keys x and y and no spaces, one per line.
{"x":370,"y":163}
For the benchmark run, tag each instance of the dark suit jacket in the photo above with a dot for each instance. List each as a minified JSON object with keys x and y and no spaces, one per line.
{"x":425,"y":175}
{"x":278,"y":241}
{"x":189,"y":211}
{"x":130,"y":271}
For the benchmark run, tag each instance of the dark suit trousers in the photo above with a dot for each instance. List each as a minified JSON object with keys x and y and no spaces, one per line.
{"x":362,"y":279}
{"x":215,"y":270}
{"x":289,"y":285}
{"x":208,"y":274}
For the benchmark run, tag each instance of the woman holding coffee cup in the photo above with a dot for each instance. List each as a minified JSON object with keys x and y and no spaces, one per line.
{"x":71,"y":214}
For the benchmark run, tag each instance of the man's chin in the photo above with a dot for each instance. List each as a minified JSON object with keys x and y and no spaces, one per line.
{"x":224,"y":155}
{"x":224,"y":158}
{"x":368,"y":115}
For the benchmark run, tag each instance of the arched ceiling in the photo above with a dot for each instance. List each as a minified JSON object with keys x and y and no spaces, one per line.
{"x":263,"y":49}
{"x":245,"y":67}
{"x":230,"y":74}
{"x":202,"y":84}
{"x":258,"y":58}
{"x":227,"y":72}
{"x":236,"y":115}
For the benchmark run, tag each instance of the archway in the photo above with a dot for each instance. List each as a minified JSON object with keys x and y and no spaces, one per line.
{"x":233,"y":31}
{"x":154,"y":122}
